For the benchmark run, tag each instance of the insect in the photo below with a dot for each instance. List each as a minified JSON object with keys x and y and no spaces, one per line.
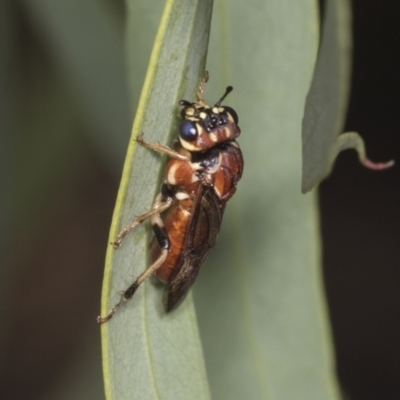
{"x":205,"y":164}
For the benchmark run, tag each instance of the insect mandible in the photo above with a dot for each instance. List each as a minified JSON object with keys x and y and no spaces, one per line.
{"x":205,"y":164}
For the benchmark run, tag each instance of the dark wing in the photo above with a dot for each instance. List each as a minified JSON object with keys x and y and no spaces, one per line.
{"x":201,"y":235}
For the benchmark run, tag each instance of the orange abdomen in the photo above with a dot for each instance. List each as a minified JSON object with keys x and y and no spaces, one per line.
{"x":176,"y":221}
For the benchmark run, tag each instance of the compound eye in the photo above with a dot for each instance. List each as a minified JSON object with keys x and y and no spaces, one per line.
{"x":188,"y":131}
{"x":232,"y":112}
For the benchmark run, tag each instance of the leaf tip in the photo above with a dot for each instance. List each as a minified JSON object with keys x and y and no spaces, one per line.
{"x":377,"y":166}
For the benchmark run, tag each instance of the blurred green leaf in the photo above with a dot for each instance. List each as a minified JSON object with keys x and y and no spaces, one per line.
{"x":352,"y":140}
{"x":260,"y":302}
{"x":146,"y":353}
{"x":326,"y":103}
{"x":85,"y":39}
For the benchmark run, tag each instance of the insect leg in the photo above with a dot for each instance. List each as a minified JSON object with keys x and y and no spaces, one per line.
{"x":202,"y":87}
{"x":161,"y":203}
{"x":160,"y":232}
{"x":128,"y":294}
{"x":163,"y":199}
{"x":160,"y":148}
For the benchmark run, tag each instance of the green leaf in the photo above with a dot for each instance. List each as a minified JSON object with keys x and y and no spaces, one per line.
{"x":261,"y":309}
{"x":146,"y":353}
{"x":85,"y":42}
{"x":326,"y":104}
{"x":352,"y":140}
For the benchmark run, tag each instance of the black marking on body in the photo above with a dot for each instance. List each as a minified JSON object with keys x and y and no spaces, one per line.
{"x":166,"y":191}
{"x":207,"y":159}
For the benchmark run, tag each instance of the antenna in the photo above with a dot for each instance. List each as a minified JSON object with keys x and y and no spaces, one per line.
{"x":227,"y":91}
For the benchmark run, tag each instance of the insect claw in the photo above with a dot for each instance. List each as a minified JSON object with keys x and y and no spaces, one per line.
{"x":116,"y":244}
{"x":139,"y":139}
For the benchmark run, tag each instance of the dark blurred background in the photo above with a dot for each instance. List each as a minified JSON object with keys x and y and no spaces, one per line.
{"x":360,"y":215}
{"x":57,"y":112}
